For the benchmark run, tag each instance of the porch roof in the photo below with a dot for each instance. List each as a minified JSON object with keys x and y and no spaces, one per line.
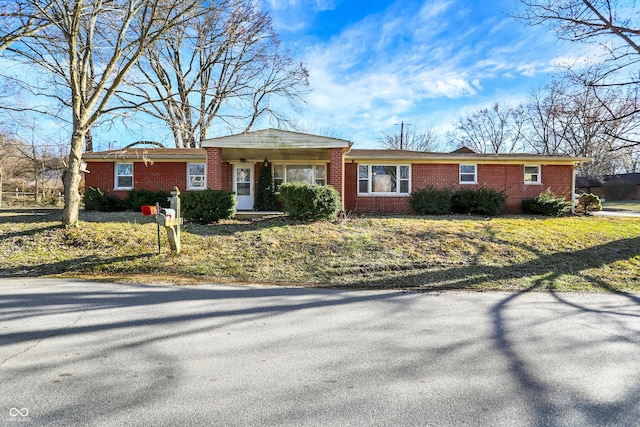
{"x":275,"y":144}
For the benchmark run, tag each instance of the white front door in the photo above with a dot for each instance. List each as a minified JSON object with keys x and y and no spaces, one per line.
{"x":243,"y":185}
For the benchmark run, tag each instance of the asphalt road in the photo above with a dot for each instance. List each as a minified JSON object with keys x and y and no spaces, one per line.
{"x":83,"y":353}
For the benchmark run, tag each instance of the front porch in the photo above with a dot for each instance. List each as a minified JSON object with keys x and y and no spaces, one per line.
{"x":234,"y":162}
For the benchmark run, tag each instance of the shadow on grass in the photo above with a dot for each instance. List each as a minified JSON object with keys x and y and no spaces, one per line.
{"x":26,"y":215}
{"x":550,"y":266}
{"x":75,"y":265}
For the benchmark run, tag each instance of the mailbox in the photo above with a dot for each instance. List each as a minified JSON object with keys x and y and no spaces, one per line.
{"x":168,"y":213}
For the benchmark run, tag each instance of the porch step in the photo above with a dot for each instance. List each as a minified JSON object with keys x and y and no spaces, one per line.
{"x":257,"y":214}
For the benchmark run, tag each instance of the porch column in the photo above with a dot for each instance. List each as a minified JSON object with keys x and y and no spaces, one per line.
{"x":214,"y":168}
{"x":336,"y":172}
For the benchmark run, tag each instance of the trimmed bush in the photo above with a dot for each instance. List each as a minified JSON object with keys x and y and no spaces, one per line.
{"x":310,"y":201}
{"x":588,"y":203}
{"x":137,"y":198}
{"x":208,"y":206}
{"x":96,"y":200}
{"x":546,"y":203}
{"x":431,"y":201}
{"x":481,"y":201}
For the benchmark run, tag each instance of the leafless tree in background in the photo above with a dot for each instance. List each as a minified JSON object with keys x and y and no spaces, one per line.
{"x":491,"y":130}
{"x":412,"y":138}
{"x":81,"y":52}
{"x":566,"y":118}
{"x":613,"y":27}
{"x":226,"y":66}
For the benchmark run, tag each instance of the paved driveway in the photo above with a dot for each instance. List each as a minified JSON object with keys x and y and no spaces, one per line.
{"x":82,"y":353}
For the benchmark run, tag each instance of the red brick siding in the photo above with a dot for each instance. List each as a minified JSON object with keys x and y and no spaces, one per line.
{"x":336,"y":172}
{"x":157,"y":176}
{"x":215,"y":169}
{"x":507,"y":178}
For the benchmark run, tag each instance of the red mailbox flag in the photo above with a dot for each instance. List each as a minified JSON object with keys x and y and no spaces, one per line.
{"x":148,"y":210}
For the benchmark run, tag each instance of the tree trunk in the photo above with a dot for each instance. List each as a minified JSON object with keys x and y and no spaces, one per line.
{"x":71,"y":179}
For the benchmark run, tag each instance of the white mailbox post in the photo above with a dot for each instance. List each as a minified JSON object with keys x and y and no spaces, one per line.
{"x":169,"y":218}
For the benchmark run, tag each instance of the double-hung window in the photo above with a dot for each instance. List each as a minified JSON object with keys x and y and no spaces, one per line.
{"x":124,"y":176}
{"x":196,"y":176}
{"x":532,"y":174}
{"x":310,"y":174}
{"x":468,"y":174}
{"x":383,"y":179}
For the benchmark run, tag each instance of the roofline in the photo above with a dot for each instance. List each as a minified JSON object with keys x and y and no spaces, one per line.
{"x":231,"y":141}
{"x":168,"y":154}
{"x":432,"y":157}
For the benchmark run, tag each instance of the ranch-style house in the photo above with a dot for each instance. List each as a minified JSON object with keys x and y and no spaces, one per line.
{"x":374,"y":181}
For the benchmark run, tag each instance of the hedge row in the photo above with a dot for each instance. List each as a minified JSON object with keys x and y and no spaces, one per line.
{"x":203,"y":207}
{"x":439,"y":201}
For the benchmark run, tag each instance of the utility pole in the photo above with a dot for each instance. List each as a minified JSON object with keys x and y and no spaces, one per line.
{"x":402,"y":134}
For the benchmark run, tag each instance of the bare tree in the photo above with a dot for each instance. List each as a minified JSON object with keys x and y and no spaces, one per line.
{"x":87,"y":47}
{"x":614,"y":27}
{"x":226,"y":66}
{"x":491,"y":130}
{"x":568,"y":118}
{"x":412,"y":138}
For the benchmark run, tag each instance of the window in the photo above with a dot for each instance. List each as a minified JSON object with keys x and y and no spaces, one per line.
{"x":468,"y":174}
{"x":532,"y":174}
{"x":383,"y":179}
{"x":195,"y":176}
{"x":310,"y":174}
{"x":124,"y":176}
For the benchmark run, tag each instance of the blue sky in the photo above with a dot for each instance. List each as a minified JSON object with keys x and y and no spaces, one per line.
{"x":376,"y":63}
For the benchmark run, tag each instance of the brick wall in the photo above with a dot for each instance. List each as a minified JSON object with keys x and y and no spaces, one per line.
{"x":336,"y":172}
{"x":507,"y":178}
{"x":155,"y":177}
{"x":215,"y":169}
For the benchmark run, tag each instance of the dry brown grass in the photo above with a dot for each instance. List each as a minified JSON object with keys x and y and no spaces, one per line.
{"x":456,"y":252}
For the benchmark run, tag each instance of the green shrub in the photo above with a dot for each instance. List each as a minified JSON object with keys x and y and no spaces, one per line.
{"x":266,"y":199}
{"x":588,"y":203}
{"x":431,"y":201}
{"x":310,"y":201}
{"x":137,"y":198}
{"x":96,"y":200}
{"x":546,"y":203}
{"x":481,"y":201}
{"x":208,"y":206}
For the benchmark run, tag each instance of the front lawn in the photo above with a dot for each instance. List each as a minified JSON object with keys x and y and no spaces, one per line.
{"x":425,"y":253}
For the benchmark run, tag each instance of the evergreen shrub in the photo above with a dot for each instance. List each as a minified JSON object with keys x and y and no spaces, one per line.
{"x":431,"y":201}
{"x":208,"y":206}
{"x":310,"y":201}
{"x":546,"y":203}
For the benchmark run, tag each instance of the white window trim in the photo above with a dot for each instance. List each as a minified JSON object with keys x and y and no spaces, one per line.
{"x":539,"y":181}
{"x":475,"y":174}
{"x":204,"y":177}
{"x":115,"y":176}
{"x":314,"y":165}
{"x":397,"y":193}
